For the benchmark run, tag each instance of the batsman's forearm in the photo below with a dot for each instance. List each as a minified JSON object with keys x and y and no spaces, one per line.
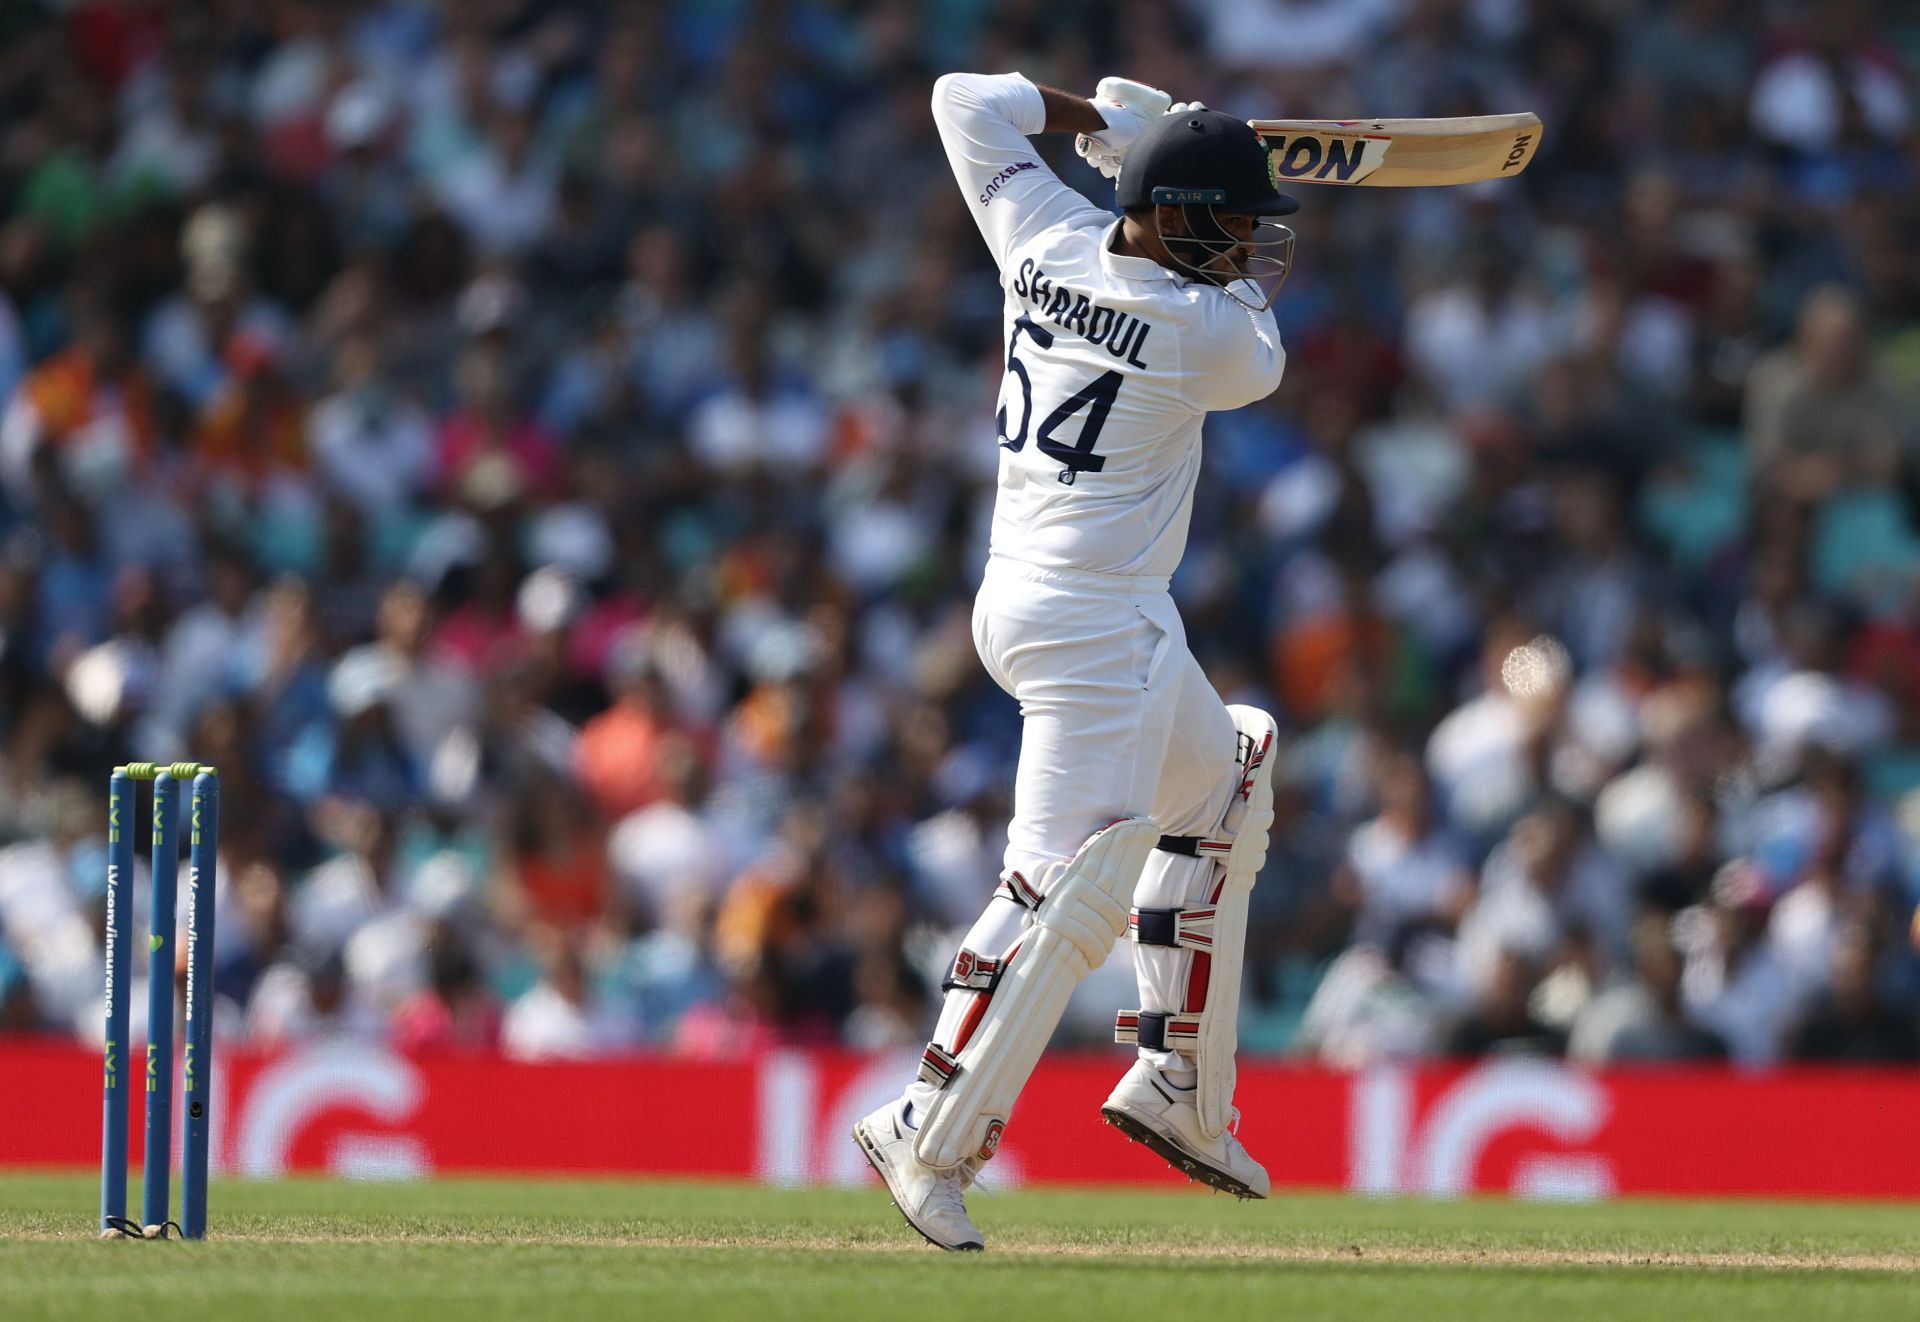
{"x":1067,"y":113}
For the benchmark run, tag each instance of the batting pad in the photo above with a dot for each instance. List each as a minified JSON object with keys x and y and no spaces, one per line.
{"x":1249,"y":819}
{"x":1083,"y":914}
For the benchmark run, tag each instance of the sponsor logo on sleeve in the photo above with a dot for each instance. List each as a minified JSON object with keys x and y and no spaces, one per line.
{"x":999,"y":181}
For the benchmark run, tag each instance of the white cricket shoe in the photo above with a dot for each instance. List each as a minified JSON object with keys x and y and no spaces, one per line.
{"x":930,"y":1200}
{"x":1148,"y":1109}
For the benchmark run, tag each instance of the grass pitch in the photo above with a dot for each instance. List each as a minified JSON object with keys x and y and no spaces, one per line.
{"x":485,"y":1249}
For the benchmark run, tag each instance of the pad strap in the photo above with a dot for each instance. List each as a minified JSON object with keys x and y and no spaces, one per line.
{"x":1186,"y":928}
{"x":1194,"y":846}
{"x":937,"y":1066}
{"x":973,"y":972}
{"x":1017,"y":888}
{"x":1156,"y":1030}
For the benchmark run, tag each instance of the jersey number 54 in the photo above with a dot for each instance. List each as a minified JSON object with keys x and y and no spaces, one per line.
{"x":1096,"y":397}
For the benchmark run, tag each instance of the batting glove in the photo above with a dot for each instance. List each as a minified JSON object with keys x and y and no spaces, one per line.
{"x":1127,"y":107}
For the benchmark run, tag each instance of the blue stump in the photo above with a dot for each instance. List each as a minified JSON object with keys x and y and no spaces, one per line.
{"x":159,"y":1130}
{"x":202,"y":866}
{"x":113,"y":1139}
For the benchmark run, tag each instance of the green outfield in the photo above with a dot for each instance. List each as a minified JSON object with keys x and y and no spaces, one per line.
{"x":486,"y":1249}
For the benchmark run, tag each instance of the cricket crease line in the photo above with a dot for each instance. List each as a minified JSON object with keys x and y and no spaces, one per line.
{"x":1304,"y":1254}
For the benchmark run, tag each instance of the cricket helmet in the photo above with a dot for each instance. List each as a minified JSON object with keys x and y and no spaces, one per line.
{"x":1201,"y":157}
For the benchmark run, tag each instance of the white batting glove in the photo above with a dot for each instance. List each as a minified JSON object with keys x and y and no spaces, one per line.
{"x":1102,"y":160}
{"x":1127,"y":107}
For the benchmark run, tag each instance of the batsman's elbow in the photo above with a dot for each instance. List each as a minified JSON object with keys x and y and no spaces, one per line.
{"x":952,"y":96}
{"x":1276,"y":370}
{"x":1260,"y":377}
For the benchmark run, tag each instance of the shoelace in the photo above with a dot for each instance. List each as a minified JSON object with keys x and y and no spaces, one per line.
{"x":946,"y":1195}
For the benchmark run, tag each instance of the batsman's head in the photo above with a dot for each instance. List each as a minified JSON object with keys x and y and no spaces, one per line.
{"x":1199,"y":185}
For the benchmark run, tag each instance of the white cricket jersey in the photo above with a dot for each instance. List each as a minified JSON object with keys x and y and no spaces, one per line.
{"x":1112,"y":361}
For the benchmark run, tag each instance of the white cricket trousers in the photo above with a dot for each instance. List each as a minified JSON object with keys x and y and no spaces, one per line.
{"x":1119,"y":721}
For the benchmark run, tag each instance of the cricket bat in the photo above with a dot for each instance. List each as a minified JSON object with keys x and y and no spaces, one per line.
{"x":1398,"y":153}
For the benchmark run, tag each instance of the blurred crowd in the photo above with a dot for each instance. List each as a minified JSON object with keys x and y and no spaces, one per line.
{"x":541,"y":452}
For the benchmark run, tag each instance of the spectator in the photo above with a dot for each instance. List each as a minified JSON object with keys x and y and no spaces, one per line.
{"x":1403,"y":866}
{"x":427,"y":697}
{"x":745,"y":1018}
{"x":1478,"y":339}
{"x":90,"y":408}
{"x":1592,"y":598}
{"x":1800,"y":703}
{"x":353,"y":888}
{"x":1835,"y":81}
{"x":560,"y":1018}
{"x":502,"y":193}
{"x":1543,"y":884}
{"x":454,"y":1012}
{"x":73,"y":607}
{"x":1657,"y":818}
{"x":1378,"y":1004}
{"x":306,"y":998}
{"x":1851,"y":1020}
{"x":1486,"y":755}
{"x":254,"y":427}
{"x":202,"y":653}
{"x":1641,"y":1018}
{"x":47,"y":922}
{"x":1500,"y":1022}
{"x":18,"y":1013}
{"x":1692,"y":46}
{"x":667,"y":848}
{"x":185,"y":339}
{"x":618,"y":756}
{"x":757,"y":420}
{"x":359,"y":754}
{"x":489,"y":451}
{"x":558,"y":874}
{"x":373,"y":447}
{"x":1735,"y":983}
{"x":1817,"y":418}
{"x":891,"y":1014}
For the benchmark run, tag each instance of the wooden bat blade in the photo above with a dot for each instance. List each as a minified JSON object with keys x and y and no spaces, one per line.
{"x":1399,"y":153}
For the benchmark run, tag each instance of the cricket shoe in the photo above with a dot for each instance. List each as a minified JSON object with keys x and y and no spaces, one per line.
{"x":1148,"y":1109}
{"x":930,"y":1200}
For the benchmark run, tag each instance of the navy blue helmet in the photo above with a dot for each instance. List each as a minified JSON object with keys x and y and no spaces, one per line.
{"x":1201,"y":157}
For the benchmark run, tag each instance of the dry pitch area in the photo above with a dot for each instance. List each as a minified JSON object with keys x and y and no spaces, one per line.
{"x":465,"y":1249}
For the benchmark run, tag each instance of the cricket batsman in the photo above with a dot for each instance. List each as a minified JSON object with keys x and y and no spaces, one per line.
{"x":1142,"y":802}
